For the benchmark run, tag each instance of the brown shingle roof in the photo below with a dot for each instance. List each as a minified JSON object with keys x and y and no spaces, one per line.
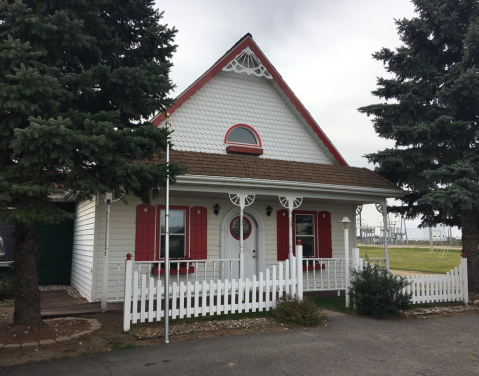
{"x":242,"y":166}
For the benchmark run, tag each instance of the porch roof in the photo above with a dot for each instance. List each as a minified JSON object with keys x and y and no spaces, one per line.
{"x":253,"y":167}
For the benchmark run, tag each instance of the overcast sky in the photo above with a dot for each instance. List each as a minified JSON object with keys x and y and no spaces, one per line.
{"x":322,"y":49}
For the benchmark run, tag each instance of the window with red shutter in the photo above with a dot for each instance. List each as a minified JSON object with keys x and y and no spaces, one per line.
{"x":282,"y":234}
{"x":145,"y":233}
{"x":179,"y":219}
{"x":324,"y":235}
{"x":198,"y":233}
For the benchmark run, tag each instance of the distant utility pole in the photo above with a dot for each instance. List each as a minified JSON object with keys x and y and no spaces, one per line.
{"x":431,"y":246}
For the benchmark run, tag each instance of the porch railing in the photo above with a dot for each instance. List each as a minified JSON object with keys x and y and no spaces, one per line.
{"x":180,"y":270}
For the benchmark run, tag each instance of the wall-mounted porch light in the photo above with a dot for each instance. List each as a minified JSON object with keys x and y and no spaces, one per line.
{"x":216,"y":209}
{"x":269,"y":210}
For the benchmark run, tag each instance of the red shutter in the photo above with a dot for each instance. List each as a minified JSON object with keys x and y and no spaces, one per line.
{"x":282,"y":237}
{"x":324,"y":235}
{"x":145,"y":233}
{"x":198,"y":233}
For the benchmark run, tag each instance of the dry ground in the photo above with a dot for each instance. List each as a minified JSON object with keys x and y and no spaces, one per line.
{"x":111,"y":336}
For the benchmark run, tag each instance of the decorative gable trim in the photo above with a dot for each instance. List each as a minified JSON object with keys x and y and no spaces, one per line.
{"x":236,"y":50}
{"x":247,"y":62}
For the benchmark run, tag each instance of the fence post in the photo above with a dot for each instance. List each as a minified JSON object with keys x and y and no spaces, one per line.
{"x":465,"y":285}
{"x":355,"y":256}
{"x":127,"y":299}
{"x":299,"y":269}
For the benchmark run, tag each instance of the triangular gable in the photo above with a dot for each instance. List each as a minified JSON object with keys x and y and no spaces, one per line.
{"x":248,"y":42}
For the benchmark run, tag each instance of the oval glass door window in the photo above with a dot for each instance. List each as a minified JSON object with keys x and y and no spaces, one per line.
{"x":235,"y":228}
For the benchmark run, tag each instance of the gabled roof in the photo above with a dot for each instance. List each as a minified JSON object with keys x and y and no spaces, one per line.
{"x":247,"y":41}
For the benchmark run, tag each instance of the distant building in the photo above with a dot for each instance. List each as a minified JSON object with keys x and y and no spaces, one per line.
{"x":439,"y":233}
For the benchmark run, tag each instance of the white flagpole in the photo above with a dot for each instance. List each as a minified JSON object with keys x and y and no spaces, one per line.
{"x":167,"y":236}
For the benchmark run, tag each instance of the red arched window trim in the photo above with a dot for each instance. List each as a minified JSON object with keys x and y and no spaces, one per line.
{"x":249,"y":127}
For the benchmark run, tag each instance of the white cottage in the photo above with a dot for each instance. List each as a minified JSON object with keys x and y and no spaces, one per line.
{"x":249,"y":144}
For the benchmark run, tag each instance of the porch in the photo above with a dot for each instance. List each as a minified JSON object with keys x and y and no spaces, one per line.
{"x":271,"y":224}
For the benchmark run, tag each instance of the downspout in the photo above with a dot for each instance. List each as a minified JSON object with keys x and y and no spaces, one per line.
{"x":104,"y":295}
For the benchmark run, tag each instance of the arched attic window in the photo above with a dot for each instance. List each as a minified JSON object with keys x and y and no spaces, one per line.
{"x":242,"y":138}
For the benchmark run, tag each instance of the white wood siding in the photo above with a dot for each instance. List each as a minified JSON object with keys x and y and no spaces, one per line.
{"x":83,"y":248}
{"x":229,"y":98}
{"x":123,"y":228}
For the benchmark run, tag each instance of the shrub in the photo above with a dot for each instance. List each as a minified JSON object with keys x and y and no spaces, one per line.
{"x":7,"y":288}
{"x":376,"y":292}
{"x":293,"y":311}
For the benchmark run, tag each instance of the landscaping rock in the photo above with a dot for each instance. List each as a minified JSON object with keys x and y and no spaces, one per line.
{"x":12,"y":346}
{"x":30,"y":344}
{"x":47,"y":342}
{"x":61,"y":339}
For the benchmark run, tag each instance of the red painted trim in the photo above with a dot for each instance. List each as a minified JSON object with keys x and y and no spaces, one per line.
{"x":315,"y":232}
{"x":248,"y":42}
{"x":244,"y":150}
{"x":249,"y":127}
{"x":183,"y":270}
{"x":231,"y":228}
{"x":314,"y":267}
{"x":325,"y":243}
{"x":187,"y":228}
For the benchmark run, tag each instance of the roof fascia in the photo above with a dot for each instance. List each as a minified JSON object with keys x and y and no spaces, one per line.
{"x":282,"y":185}
{"x":220,"y":64}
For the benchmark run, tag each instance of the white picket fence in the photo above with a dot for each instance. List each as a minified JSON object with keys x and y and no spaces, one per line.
{"x":440,"y":288}
{"x":144,"y":298}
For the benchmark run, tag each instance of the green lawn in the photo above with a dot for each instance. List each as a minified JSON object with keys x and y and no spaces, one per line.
{"x":417,"y":259}
{"x":333,"y":304}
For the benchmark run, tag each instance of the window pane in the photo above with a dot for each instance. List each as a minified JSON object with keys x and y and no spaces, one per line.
{"x":177,"y":246}
{"x":177,"y":222}
{"x":304,"y":224}
{"x":242,"y":135}
{"x":308,"y":245}
{"x":235,"y":228}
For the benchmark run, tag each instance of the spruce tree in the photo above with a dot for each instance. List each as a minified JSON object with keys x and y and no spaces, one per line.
{"x":430,"y":110}
{"x":78,"y":78}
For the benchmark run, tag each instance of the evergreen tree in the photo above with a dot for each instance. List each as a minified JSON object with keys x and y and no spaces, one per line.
{"x":78,"y":79}
{"x":431,"y":112}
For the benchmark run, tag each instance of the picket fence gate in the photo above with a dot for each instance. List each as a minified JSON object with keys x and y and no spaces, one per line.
{"x":440,"y":288}
{"x":144,"y":298}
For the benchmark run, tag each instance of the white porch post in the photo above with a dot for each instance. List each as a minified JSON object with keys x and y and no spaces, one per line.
{"x":241,"y":244}
{"x":299,"y":270}
{"x":290,"y":203}
{"x":345,"y":222}
{"x":242,"y":200}
{"x":106,"y":257}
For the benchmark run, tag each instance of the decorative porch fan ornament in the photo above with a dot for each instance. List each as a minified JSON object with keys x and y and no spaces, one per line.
{"x":247,"y":62}
{"x":242,"y":200}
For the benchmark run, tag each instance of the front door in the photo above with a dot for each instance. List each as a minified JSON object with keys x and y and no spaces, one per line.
{"x":249,"y":246}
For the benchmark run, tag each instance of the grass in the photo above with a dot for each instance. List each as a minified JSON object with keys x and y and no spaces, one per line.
{"x":333,"y":304}
{"x":116,"y":345}
{"x":416,"y":259}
